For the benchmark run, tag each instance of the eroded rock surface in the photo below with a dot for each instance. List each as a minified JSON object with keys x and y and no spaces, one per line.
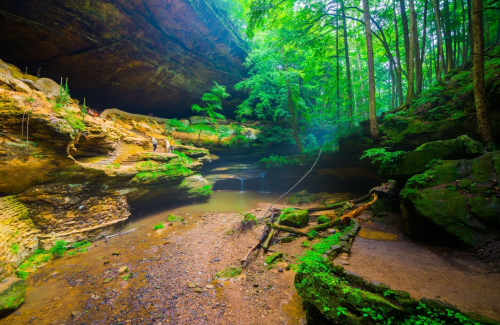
{"x":117,"y":52}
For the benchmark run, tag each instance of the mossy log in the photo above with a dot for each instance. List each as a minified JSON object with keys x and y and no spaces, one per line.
{"x":272,"y":231}
{"x":327,"y":207}
{"x":344,"y":220}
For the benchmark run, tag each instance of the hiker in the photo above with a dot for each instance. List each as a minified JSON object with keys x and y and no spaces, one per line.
{"x":167,"y":143}
{"x":154,"y":144}
{"x":172,"y":145}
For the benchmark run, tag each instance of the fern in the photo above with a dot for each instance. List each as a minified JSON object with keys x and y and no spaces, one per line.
{"x":387,"y":159}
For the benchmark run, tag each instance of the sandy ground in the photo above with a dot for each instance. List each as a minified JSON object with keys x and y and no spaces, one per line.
{"x":71,"y":290}
{"x":426,"y":271}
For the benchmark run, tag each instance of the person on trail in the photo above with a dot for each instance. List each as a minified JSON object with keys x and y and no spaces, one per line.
{"x":172,"y":145}
{"x":154,"y":144}
{"x":167,"y":143}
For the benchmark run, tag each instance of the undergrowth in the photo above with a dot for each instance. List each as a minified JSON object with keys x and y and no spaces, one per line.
{"x":387,"y":159}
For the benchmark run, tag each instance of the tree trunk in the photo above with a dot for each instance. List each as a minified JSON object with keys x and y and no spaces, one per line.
{"x":406,"y":33}
{"x":469,"y":27}
{"x":440,"y":55}
{"x":416,"y":52}
{"x":399,"y":85}
{"x":483,"y":121}
{"x":348,"y":68}
{"x":362,"y":88}
{"x":424,"y":37}
{"x":338,"y":70}
{"x":447,"y":37}
{"x":371,"y":72}
{"x":290,"y":106}
{"x":464,"y":35}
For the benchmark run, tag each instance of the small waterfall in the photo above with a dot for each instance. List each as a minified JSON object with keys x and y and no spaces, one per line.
{"x":242,"y":183}
{"x":264,"y":183}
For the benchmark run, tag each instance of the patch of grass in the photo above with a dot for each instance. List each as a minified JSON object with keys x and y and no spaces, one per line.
{"x":59,"y":248}
{"x":113,"y":166}
{"x":158,"y":226}
{"x":14,"y":248}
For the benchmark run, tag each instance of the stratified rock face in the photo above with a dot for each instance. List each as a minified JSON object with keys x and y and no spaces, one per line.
{"x":149,"y":56}
{"x":70,"y":176}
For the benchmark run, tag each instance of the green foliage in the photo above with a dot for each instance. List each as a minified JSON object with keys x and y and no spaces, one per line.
{"x":113,"y":166}
{"x":386,"y":159}
{"x":250,"y":218}
{"x":205,"y":190}
{"x":22,"y":274}
{"x":63,"y":101}
{"x":275,"y":135}
{"x":287,"y":210}
{"x":213,"y":102}
{"x":275,"y":161}
{"x":152,"y":171}
{"x":14,"y":248}
{"x":312,"y":234}
{"x":59,"y":248}
{"x":158,"y":226}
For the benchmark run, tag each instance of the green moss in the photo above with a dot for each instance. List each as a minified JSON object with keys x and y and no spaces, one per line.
{"x":174,"y":218}
{"x":158,"y":226}
{"x":323,"y":219}
{"x":295,"y":218}
{"x":229,"y":272}
{"x":273,"y":258}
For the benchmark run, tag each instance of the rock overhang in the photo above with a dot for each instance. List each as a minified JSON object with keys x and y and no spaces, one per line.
{"x":147,"y":56}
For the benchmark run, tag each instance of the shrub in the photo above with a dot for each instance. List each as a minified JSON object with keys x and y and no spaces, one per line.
{"x":59,"y":248}
{"x":387,"y":159}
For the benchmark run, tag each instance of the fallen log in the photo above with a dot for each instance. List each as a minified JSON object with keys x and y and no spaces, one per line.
{"x":272,"y":231}
{"x":327,"y":207}
{"x":343,"y":220}
{"x":259,"y":242}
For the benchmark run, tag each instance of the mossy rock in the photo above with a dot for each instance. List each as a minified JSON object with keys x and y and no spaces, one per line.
{"x":333,"y":296}
{"x":273,"y":258}
{"x":12,"y":293}
{"x":301,"y":193}
{"x":174,"y":218}
{"x":288,"y":239}
{"x":295,"y":218}
{"x":294,"y":200}
{"x":323,"y":219}
{"x":308,"y":198}
{"x":487,"y":209}
{"x":421,"y":159}
{"x":229,"y":272}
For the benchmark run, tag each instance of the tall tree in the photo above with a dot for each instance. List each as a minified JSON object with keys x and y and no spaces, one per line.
{"x":422,"y":54}
{"x":440,"y":55}
{"x":447,"y":36}
{"x":483,"y":121}
{"x":371,"y":72}
{"x":399,"y":85}
{"x":406,"y":32}
{"x":293,"y":113}
{"x":348,"y":66}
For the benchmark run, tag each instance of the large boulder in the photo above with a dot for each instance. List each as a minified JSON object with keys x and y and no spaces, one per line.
{"x":332,"y":295}
{"x":454,"y":201}
{"x":295,"y":218}
{"x":12,"y":292}
{"x":419,"y":160}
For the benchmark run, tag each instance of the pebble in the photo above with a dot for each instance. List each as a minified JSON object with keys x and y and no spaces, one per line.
{"x":123,"y":269}
{"x":106,"y":262}
{"x":115,"y":253}
{"x":280,"y":270}
{"x":107,"y":280}
{"x":192,"y":285}
{"x":198,"y":290}
{"x":216,"y":259}
{"x":209,"y":286}
{"x":331,"y":231}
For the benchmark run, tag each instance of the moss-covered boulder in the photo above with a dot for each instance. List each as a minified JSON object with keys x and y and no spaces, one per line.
{"x":454,"y":201}
{"x":12,"y":292}
{"x":228,"y":272}
{"x":294,"y":200}
{"x":333,"y":296}
{"x":419,"y":160}
{"x":323,"y":219}
{"x":295,"y":218}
